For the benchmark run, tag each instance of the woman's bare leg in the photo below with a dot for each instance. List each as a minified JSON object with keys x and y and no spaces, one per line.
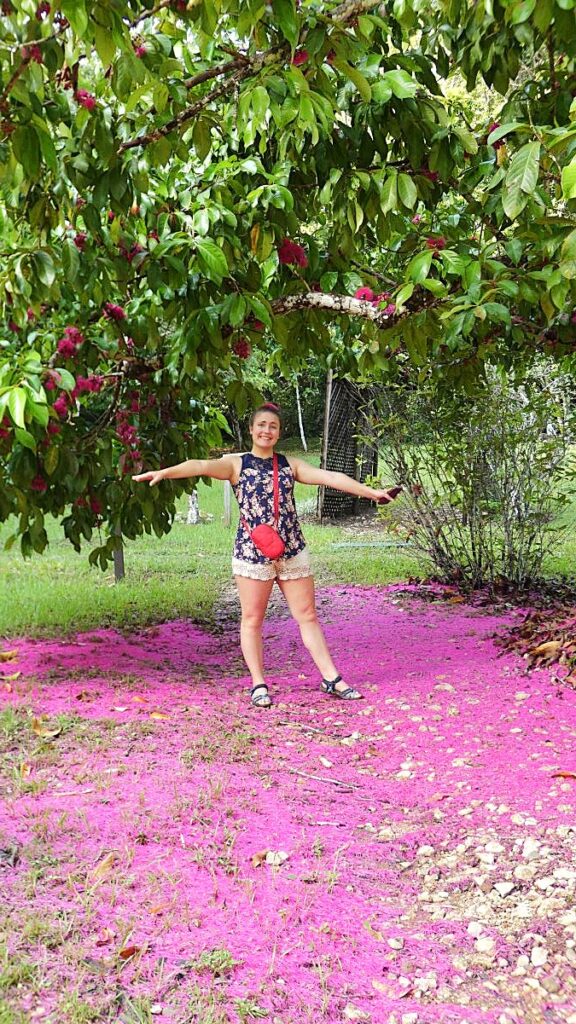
{"x":301,"y":601}
{"x":254,"y":595}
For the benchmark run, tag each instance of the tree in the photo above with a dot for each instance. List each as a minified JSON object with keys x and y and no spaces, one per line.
{"x":180,"y":181}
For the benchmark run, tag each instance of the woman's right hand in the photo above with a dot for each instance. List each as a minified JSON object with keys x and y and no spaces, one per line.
{"x":154,"y":476}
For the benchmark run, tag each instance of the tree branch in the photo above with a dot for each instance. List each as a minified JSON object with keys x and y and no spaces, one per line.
{"x":333,"y":303}
{"x":353,"y":8}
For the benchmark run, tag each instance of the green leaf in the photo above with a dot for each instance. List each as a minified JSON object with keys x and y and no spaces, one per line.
{"x":38,"y":411}
{"x":521,"y":179}
{"x":67,"y":382}
{"x":419,"y":266}
{"x":17,"y":405}
{"x":407,"y":191}
{"x":202,"y":138}
{"x":521,"y":11}
{"x":356,"y":77}
{"x":70,"y":260}
{"x":285,"y":17}
{"x":402,"y":85}
{"x":569,"y":180}
{"x":44,"y":268}
{"x":211,"y":259}
{"x":26,"y":438}
{"x":105,"y":44}
{"x":75,"y":12}
{"x":26,"y":147}
{"x":389,"y":196}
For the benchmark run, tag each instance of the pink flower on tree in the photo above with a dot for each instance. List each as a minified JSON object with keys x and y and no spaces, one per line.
{"x":38,"y":484}
{"x":113,"y":312}
{"x":41,"y":10}
{"x":431,"y":175}
{"x":416,"y":218}
{"x":140,"y":51}
{"x":436,"y":243}
{"x":61,"y":406}
{"x":85,"y":99}
{"x":96,"y":506}
{"x":80,"y":240}
{"x":364,"y":293}
{"x":13,"y":326}
{"x":492,"y":128}
{"x":241,"y":348}
{"x":67,"y":348}
{"x":53,"y":428}
{"x":390,"y":309}
{"x":33,"y":52}
{"x":291,"y":253}
{"x":300,"y":57}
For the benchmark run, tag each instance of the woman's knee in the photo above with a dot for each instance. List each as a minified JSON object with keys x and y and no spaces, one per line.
{"x":252,"y":621}
{"x":306,"y":615}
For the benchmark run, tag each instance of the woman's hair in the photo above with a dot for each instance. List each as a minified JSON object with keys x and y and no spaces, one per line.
{"x":266,"y":407}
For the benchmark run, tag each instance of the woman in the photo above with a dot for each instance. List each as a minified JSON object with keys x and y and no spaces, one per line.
{"x":251,"y":477}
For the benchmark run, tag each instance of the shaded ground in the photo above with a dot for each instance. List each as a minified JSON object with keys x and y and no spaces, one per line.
{"x":170,"y":853}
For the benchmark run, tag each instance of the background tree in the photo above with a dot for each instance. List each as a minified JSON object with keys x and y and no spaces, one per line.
{"x":178,"y":179}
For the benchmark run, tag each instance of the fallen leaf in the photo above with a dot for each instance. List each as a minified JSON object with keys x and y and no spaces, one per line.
{"x":159,"y":716}
{"x":325,"y":762}
{"x":105,"y":865}
{"x":158,"y":908}
{"x":9,"y":655}
{"x":564,"y":775}
{"x":455,"y":600}
{"x":84,"y":695}
{"x":10,"y":679}
{"x":105,"y":935}
{"x":139,"y":700}
{"x":352,"y":1012}
{"x":40,"y":728}
{"x":276,"y":858}
{"x":548,"y":649}
{"x":258,"y":858}
{"x":128,"y":952}
{"x":8,"y":687}
{"x":25,"y":769}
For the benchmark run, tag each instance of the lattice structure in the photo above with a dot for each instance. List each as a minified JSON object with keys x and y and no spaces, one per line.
{"x":346,"y":417}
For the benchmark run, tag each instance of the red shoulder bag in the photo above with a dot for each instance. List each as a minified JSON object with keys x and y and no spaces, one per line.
{"x":266,"y":538}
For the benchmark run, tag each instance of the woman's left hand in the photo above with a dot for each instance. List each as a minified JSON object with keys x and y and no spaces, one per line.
{"x":383,"y":497}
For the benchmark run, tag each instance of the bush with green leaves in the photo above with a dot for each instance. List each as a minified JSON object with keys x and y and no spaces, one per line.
{"x":485,"y":475}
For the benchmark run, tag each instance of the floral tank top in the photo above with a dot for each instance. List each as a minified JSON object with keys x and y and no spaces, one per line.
{"x":255,"y":496}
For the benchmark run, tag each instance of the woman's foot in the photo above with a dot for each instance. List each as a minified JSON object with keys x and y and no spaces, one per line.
{"x":260,"y":697}
{"x":337,"y":688}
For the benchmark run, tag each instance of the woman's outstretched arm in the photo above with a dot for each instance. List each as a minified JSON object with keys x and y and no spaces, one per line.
{"x":304,"y":473}
{"x":219,"y":469}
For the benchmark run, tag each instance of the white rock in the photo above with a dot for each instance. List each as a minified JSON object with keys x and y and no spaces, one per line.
{"x":538,"y":956}
{"x":475,"y":928}
{"x":352,"y":1012}
{"x":409,"y":1018}
{"x":525,"y":872}
{"x":494,"y":847}
{"x":523,"y":910}
{"x":504,"y":888}
{"x":396,"y":943}
{"x":486,"y":945}
{"x":531,"y":848}
{"x":425,"y":851}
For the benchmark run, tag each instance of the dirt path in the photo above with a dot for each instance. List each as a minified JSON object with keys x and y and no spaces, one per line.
{"x":167,"y":853}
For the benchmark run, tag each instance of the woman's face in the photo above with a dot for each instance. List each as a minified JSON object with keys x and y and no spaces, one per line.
{"x":265,"y":430}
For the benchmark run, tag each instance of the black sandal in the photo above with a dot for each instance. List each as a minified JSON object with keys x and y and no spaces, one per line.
{"x":329,"y":686}
{"x":263,"y":700}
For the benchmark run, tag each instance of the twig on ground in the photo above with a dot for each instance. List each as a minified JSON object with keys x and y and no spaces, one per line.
{"x":322,"y":778}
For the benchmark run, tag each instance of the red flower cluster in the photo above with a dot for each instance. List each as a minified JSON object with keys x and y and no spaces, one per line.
{"x":52,"y":381}
{"x":5,"y":426}
{"x":492,"y":128}
{"x":112,"y":312}
{"x":573,"y":317}
{"x":87,"y":384}
{"x":436,"y":243}
{"x":33,"y":52}
{"x":80,"y":240}
{"x":129,"y":254}
{"x":85,"y":99}
{"x":291,"y":253}
{"x":179,"y":5}
{"x":38,"y":484}
{"x":300,"y":57}
{"x":140,"y":51}
{"x":61,"y":406}
{"x":7,"y":7}
{"x":127,"y":434}
{"x":71,"y":342}
{"x":364,"y":293}
{"x":13,"y":326}
{"x":416,"y":218}
{"x":53,"y":428}
{"x":431,"y":175}
{"x":241,"y":348}
{"x":41,"y":10}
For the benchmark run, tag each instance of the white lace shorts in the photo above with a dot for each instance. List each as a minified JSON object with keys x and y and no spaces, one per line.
{"x":294,"y":568}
